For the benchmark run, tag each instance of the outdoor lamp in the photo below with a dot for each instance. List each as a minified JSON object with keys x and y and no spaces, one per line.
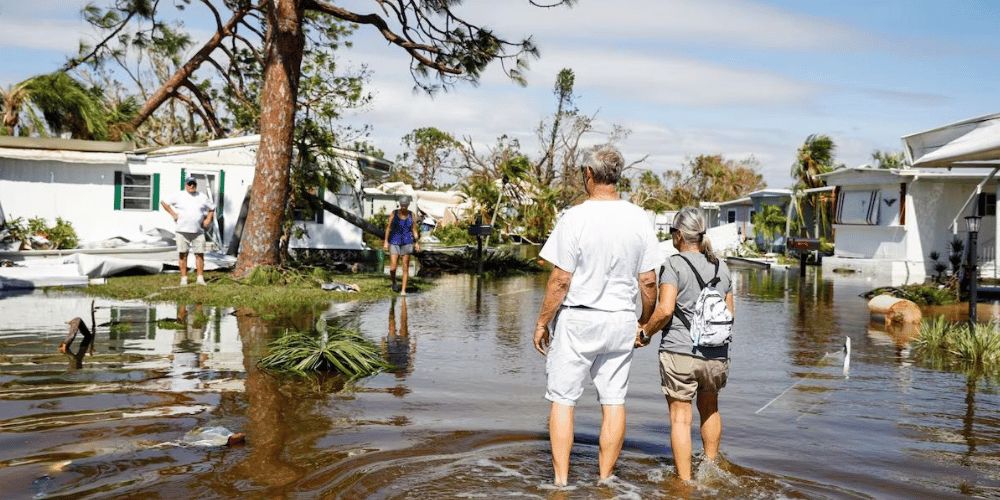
{"x":972,"y":222}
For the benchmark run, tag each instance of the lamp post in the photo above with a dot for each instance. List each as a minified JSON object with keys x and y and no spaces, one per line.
{"x":972,"y":222}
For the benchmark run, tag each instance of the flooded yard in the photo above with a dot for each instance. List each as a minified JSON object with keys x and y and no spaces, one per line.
{"x":463,"y":415}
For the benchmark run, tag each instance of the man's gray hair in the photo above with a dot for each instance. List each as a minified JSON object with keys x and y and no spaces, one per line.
{"x":606,"y":163}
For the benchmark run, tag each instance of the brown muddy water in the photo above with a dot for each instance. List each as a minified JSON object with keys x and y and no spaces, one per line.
{"x":463,"y":415}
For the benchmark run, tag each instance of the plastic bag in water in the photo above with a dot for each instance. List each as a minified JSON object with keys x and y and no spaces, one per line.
{"x":210,"y":436}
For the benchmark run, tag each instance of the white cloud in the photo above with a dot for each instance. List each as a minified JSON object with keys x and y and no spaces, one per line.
{"x":742,"y":23}
{"x":41,"y":34}
{"x":682,"y":81}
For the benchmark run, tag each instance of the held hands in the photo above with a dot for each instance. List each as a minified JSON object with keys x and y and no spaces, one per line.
{"x":641,"y":338}
{"x":542,"y":339}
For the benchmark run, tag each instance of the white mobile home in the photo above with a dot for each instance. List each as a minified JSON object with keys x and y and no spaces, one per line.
{"x":888,"y":222}
{"x":108,"y":189}
{"x":741,"y":211}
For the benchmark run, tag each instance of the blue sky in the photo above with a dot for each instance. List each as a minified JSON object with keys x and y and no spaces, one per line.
{"x":687,"y":77}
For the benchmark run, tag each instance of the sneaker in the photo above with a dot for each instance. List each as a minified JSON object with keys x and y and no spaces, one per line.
{"x":184,"y":280}
{"x":201,"y":281}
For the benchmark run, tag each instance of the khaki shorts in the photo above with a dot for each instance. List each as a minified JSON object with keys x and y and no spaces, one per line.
{"x":684,"y":376}
{"x":190,"y":242}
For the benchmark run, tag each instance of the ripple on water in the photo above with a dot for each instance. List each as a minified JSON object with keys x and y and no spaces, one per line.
{"x":494,"y":465}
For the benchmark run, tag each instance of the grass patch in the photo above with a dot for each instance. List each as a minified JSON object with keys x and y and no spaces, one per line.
{"x":266,"y":291}
{"x":950,"y":346}
{"x":341,"y":350}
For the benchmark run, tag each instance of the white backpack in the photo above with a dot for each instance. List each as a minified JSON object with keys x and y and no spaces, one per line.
{"x":712,"y":325}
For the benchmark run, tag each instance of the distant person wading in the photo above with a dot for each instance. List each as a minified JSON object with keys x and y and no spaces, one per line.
{"x":401,"y":238}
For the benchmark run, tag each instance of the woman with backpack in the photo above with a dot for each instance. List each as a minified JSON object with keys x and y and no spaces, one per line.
{"x":694,"y":348}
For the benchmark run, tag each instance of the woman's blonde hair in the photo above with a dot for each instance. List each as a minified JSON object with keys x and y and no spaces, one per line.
{"x":691,"y":225}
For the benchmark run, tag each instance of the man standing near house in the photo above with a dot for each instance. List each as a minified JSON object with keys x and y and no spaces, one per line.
{"x":193,"y":212}
{"x":604,"y":254}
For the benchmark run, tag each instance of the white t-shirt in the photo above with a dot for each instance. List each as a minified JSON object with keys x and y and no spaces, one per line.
{"x":605,"y":244}
{"x":191,"y":210}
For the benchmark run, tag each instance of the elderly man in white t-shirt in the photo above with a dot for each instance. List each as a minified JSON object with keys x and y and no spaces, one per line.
{"x":193,"y":212}
{"x":605,"y":255}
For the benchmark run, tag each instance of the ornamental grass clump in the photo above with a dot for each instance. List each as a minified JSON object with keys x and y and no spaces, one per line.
{"x":950,"y":346}
{"x":338,"y":349}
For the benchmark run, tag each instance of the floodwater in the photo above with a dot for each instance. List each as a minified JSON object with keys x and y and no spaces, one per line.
{"x":463,"y":415}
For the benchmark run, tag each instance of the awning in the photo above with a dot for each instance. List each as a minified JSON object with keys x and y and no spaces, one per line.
{"x":975,"y":139}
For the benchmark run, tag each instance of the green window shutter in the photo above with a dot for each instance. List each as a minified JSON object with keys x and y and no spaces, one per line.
{"x":156,"y":192}
{"x":118,"y":190}
{"x":183,"y":176}
{"x":222,"y":192}
{"x":321,"y":210}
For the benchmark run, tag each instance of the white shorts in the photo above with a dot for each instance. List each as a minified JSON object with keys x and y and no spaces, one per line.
{"x":190,"y":242}
{"x":590,"y":343}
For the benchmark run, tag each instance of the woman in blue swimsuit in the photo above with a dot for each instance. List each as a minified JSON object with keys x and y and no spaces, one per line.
{"x":401,"y":239}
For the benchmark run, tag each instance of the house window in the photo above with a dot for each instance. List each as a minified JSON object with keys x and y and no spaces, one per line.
{"x":858,"y":207}
{"x":731,"y":216}
{"x":987,"y":204}
{"x":137,"y":191}
{"x":752,"y":213}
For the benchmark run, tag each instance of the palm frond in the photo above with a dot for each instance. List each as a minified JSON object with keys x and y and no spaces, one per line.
{"x":337,"y":349}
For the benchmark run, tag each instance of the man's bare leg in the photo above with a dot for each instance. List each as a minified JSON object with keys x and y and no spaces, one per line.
{"x":182,"y":262}
{"x":561,"y":437}
{"x":612,"y":438}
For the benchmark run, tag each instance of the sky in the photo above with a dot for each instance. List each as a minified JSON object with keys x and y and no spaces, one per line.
{"x":738,"y":78}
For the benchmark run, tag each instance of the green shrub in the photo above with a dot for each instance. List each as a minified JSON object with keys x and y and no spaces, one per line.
{"x":380,"y":219}
{"x":453,"y":235}
{"x":62,"y":235}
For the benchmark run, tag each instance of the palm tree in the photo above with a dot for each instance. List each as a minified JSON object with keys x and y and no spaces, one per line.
{"x":769,"y":223}
{"x":54,"y":104}
{"x":12,"y":101}
{"x":815,"y":157}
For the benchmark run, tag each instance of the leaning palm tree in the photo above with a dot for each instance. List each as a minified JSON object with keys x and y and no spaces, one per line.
{"x":54,"y":104}
{"x":815,"y":157}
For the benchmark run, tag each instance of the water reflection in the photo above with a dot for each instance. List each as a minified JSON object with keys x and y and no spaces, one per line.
{"x":397,"y":347}
{"x":467,"y":419}
{"x":267,"y":412}
{"x":77,"y":326}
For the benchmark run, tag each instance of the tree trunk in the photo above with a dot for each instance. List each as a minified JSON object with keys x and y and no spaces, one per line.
{"x":285,"y":43}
